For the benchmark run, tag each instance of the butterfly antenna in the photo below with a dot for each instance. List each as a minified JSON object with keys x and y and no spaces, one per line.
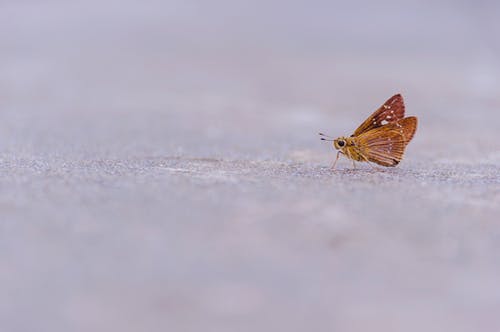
{"x":328,"y":138}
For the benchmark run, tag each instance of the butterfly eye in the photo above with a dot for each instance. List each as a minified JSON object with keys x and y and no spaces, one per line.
{"x":341,"y":143}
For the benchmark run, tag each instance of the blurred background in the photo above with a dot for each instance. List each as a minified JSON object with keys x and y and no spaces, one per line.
{"x":161,"y":170}
{"x":191,"y":73}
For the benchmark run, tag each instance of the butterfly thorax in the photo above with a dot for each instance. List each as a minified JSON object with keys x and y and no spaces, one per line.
{"x":348,"y":146}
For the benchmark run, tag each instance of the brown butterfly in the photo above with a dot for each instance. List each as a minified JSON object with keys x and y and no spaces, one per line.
{"x":381,"y":139}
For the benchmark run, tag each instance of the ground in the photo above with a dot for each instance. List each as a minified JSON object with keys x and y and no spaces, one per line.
{"x":159,"y":171}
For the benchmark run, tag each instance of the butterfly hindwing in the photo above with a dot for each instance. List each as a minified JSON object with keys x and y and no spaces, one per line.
{"x":385,"y":145}
{"x":409,"y":127}
{"x":391,"y":111}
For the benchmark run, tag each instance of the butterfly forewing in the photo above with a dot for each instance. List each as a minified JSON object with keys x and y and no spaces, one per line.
{"x":391,"y":111}
{"x":385,"y":145}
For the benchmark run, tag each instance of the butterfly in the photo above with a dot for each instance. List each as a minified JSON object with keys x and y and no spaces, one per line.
{"x":381,"y":139}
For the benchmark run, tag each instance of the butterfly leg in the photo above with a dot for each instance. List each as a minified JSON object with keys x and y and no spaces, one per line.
{"x":369,"y":163}
{"x":353,"y":164}
{"x":336,"y":159}
{"x":365,"y":159}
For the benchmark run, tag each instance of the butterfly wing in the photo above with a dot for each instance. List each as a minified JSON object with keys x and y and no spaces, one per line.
{"x":386,"y":145}
{"x":391,"y":111}
{"x":407,"y":127}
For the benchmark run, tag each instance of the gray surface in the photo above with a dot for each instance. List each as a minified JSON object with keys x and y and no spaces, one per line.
{"x":160,"y":168}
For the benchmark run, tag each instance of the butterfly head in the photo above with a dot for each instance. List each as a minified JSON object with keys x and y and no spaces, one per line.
{"x":339,"y":143}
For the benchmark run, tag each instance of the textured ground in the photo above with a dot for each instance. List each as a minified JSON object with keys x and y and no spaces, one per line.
{"x":161,"y":171}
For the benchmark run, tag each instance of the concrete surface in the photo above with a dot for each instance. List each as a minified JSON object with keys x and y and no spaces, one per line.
{"x":160,"y":168}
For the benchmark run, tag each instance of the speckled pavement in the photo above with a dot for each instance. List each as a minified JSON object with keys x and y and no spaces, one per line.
{"x":161,"y":172}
